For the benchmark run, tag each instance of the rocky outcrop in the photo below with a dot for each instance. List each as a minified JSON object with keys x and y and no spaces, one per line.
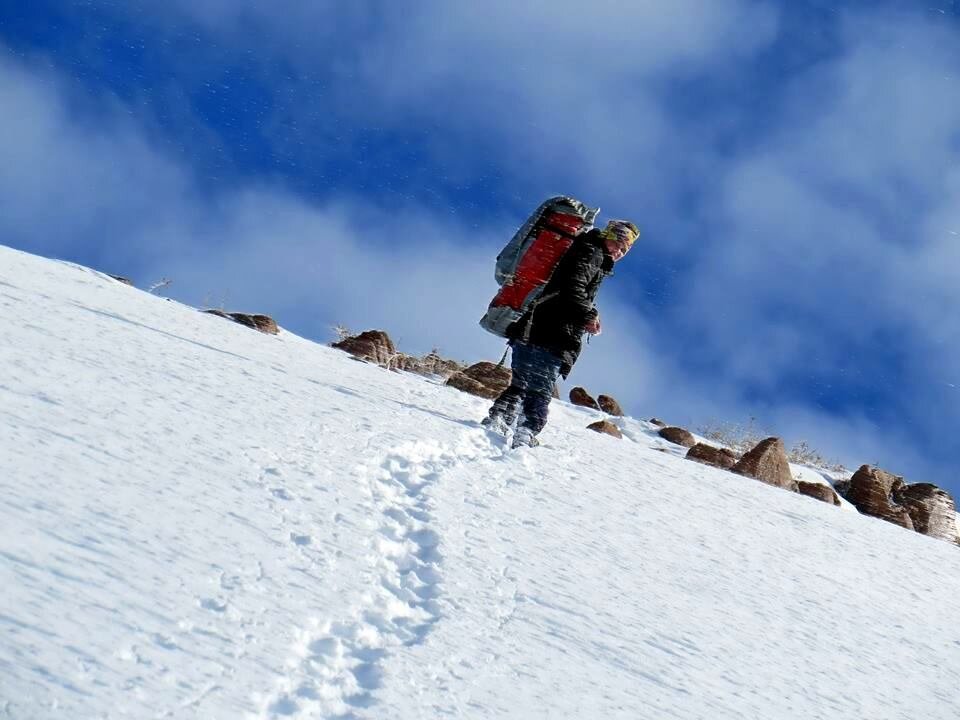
{"x":375,"y":346}
{"x":821,"y":492}
{"x":579,"y":396}
{"x":657,"y":421}
{"x":431,"y":365}
{"x":606,"y":427}
{"x":923,"y":507}
{"x":371,"y":346}
{"x":709,"y":455}
{"x":263,"y":323}
{"x":610,"y":406}
{"x":931,"y":510}
{"x":871,"y":490}
{"x":120,"y":278}
{"x":768,"y":463}
{"x":483,"y":379}
{"x":678,"y":436}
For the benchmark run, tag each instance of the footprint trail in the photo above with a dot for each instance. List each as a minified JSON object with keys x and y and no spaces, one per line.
{"x":337,"y":664}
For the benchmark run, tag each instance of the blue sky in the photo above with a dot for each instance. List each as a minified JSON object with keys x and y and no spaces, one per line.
{"x":793,"y":166}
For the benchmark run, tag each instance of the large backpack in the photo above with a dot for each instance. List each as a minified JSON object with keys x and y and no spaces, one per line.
{"x":525,"y":265}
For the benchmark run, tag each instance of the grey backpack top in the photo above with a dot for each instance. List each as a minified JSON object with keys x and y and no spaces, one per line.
{"x":509,"y":257}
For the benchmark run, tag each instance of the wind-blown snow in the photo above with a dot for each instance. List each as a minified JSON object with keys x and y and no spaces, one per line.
{"x":201,"y":521}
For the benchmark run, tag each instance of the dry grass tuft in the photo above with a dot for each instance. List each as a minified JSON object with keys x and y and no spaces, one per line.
{"x":742,"y":438}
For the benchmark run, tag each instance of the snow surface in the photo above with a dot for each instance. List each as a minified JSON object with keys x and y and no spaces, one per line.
{"x":201,"y":521}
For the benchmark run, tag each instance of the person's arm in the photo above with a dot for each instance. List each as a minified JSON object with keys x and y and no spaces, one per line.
{"x":575,"y":299}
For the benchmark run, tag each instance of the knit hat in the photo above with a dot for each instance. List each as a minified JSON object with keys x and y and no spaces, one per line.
{"x":622,"y":231}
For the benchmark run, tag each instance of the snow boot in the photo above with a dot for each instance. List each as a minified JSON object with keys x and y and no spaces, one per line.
{"x":524,"y":437}
{"x":496,"y":423}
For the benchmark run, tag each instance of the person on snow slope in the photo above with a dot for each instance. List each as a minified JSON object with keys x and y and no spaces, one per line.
{"x":546,"y":341}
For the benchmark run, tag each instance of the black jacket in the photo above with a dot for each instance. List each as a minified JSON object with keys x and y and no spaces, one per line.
{"x":565,"y":306}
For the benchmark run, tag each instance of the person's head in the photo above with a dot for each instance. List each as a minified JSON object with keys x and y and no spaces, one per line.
{"x":619,"y":236}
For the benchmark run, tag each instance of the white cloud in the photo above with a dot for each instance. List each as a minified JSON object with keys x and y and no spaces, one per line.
{"x":829,"y":220}
{"x":62,"y":178}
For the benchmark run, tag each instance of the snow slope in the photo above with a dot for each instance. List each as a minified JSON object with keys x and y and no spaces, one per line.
{"x":201,"y":521}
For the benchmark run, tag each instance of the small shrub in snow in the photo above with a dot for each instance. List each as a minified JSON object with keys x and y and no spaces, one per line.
{"x":742,"y":438}
{"x":160,"y":285}
{"x":342,"y":332}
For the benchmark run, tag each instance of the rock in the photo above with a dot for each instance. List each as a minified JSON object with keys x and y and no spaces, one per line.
{"x":483,"y":379}
{"x":610,"y":406}
{"x":842,"y":487}
{"x":219,"y":313}
{"x":678,"y":436}
{"x":871,"y":491}
{"x":768,"y":463}
{"x":708,"y":455}
{"x":371,"y":345}
{"x":407,"y":363}
{"x":931,"y":509}
{"x":606,"y":427}
{"x":430,"y":365}
{"x":657,"y":421}
{"x":435,"y":365}
{"x":263,"y":323}
{"x":579,"y":396}
{"x":819,"y":491}
{"x":125,"y":281}
{"x":471,"y":386}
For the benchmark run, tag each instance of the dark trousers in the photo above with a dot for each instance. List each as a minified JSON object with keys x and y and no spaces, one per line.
{"x":535,"y":372}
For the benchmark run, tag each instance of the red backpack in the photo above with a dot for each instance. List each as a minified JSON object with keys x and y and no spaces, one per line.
{"x":525,"y":265}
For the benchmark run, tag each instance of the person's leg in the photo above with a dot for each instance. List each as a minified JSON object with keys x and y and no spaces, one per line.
{"x":543,"y":368}
{"x":505,"y":409}
{"x":535,"y":409}
{"x":503,"y":413}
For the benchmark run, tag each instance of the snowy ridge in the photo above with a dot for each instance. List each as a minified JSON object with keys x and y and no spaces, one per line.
{"x":201,"y":521}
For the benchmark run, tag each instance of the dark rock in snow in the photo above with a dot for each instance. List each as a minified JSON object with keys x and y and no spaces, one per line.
{"x":723,"y":458}
{"x":430,"y":365}
{"x":483,"y":379}
{"x":678,"y":436}
{"x":371,"y":346}
{"x":923,"y":507}
{"x":579,"y":396}
{"x":610,"y":406}
{"x":931,"y":509}
{"x":819,"y":491}
{"x":263,"y":323}
{"x":768,"y":463}
{"x":606,"y":427}
{"x":871,"y":490}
